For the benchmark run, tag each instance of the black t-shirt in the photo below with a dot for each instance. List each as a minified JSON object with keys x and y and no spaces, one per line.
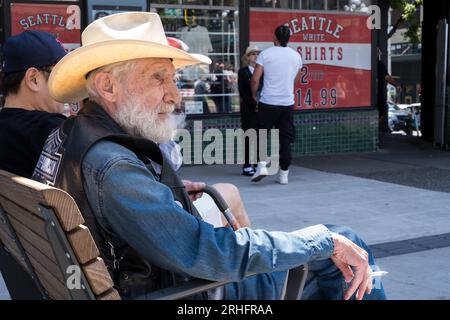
{"x":22,"y":137}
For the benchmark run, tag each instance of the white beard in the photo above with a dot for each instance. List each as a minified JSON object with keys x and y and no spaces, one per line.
{"x":138,"y":120}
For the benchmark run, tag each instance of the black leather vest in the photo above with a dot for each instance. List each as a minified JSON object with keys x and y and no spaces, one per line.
{"x":133,"y":275}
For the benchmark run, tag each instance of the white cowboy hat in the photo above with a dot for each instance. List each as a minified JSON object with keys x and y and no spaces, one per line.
{"x":111,"y":39}
{"x":251,"y":49}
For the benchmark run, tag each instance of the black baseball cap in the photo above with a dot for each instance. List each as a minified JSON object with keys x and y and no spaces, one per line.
{"x":31,"y":48}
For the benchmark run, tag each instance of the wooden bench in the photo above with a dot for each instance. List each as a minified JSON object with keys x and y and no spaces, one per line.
{"x":44,"y":244}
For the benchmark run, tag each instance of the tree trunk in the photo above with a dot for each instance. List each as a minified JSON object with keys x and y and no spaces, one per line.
{"x":395,"y":27}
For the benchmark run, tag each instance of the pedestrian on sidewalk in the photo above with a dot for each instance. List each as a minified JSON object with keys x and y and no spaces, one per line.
{"x":248,"y":104}
{"x":383,"y":78}
{"x":281,"y":68}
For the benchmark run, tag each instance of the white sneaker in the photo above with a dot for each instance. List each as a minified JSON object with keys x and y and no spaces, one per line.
{"x":261,"y":172}
{"x":283,"y":177}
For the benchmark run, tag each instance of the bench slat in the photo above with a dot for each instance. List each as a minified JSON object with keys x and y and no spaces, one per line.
{"x":28,"y":218}
{"x":47,"y":263}
{"x":25,"y":202}
{"x":65,"y":208}
{"x":30,"y":194}
{"x":98,"y":276}
{"x":12,"y":247}
{"x":20,"y":194}
{"x":54,"y":287}
{"x":109,"y":295}
{"x":83,"y":244}
{"x":4,"y":227}
{"x":40,"y":243}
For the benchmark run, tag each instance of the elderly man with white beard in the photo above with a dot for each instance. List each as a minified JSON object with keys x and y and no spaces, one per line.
{"x":136,"y":207}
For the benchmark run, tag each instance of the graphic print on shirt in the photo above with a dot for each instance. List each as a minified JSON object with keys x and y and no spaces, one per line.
{"x":49,"y":162}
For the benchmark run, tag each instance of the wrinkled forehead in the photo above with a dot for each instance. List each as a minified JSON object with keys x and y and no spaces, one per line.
{"x":157,"y":65}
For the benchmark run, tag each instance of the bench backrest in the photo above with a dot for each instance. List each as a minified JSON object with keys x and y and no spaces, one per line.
{"x":42,"y":228}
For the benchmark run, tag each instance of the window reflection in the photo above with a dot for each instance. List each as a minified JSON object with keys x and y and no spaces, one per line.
{"x":341,"y":5}
{"x":214,"y":33}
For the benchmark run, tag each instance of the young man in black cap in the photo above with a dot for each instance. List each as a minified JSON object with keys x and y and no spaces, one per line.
{"x":29,"y":113}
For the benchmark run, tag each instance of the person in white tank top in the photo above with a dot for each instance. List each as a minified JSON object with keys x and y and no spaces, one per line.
{"x":281,"y":67}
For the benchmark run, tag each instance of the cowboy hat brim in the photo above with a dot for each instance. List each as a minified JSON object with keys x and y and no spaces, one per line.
{"x":251,"y":51}
{"x":67,"y":82}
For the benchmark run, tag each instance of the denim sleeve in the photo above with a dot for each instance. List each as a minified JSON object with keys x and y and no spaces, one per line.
{"x":142,"y":212}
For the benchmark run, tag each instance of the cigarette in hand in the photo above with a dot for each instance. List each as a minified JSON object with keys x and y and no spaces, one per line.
{"x":378,"y":273}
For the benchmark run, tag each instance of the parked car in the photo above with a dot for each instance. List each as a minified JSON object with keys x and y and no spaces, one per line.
{"x":398,"y":118}
{"x":415,"y":110}
{"x":405,"y":117}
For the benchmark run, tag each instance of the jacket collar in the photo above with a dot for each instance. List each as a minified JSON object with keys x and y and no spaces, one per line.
{"x":94,"y":110}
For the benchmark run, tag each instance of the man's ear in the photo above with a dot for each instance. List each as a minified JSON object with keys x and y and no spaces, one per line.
{"x":32,"y":78}
{"x":106,"y":86}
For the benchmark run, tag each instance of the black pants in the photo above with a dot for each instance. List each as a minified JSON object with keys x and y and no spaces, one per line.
{"x":278,"y":117}
{"x":249,"y":120}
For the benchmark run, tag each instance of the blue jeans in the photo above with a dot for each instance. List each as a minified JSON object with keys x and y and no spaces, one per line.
{"x":325,"y":280}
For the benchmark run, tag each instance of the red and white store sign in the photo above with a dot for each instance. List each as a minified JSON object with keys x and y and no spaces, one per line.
{"x":336,"y":54}
{"x":61,"y":20}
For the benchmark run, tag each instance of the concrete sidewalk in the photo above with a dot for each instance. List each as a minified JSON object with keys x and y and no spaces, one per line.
{"x":397,"y":199}
{"x":380,"y":212}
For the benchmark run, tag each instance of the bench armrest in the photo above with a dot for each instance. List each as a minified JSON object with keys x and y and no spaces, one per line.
{"x":293,"y":288}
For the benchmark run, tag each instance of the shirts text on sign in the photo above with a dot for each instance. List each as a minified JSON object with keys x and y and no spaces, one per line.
{"x":309,"y":53}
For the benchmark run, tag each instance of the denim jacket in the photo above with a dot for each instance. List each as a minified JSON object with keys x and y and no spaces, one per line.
{"x":128,"y":198}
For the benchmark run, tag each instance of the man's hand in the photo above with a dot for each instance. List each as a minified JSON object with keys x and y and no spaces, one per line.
{"x":194,"y":189}
{"x":347,"y":256}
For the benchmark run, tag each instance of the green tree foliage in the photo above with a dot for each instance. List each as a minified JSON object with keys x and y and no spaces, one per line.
{"x":407,"y":8}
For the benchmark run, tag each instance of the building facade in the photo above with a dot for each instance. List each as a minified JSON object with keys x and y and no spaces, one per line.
{"x":335,"y":99}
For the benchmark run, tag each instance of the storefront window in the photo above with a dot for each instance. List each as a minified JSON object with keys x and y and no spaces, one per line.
{"x":214,"y":32}
{"x":100,"y":8}
{"x":339,"y":5}
{"x":196,"y":2}
{"x":313,"y":5}
{"x":218,"y":3}
{"x":233,"y":3}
